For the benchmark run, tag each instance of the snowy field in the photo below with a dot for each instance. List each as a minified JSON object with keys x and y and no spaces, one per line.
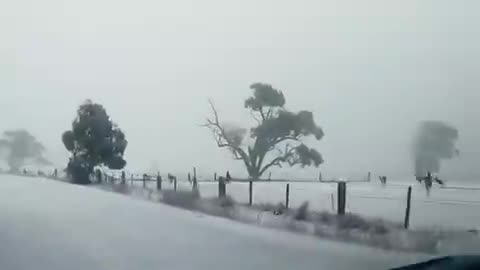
{"x":446,"y":208}
{"x":47,"y":224}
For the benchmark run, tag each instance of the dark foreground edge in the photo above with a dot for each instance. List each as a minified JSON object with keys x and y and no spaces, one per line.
{"x":446,"y":263}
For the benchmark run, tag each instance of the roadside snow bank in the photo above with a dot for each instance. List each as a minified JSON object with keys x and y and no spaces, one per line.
{"x":349,"y":228}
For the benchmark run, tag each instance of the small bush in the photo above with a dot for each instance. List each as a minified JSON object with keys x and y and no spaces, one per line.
{"x":302,"y":212}
{"x":222,"y":207}
{"x":324,"y":217}
{"x":184,"y":199}
{"x":351,"y":221}
{"x":270,"y":207}
{"x":356,"y":222}
{"x":226,"y":201}
{"x":379,"y":227}
{"x":122,"y":189}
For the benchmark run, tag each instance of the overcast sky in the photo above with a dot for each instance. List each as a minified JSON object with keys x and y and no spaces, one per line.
{"x":369,"y":70}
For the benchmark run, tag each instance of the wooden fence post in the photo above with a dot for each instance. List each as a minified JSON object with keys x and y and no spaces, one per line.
{"x":215,"y":176}
{"x":221,"y":188}
{"x":407,"y":211}
{"x":250,"y":192}
{"x":287,"y":196}
{"x":175,"y":184}
{"x":98,"y":175}
{"x":195,"y":183}
{"x":123,"y":177}
{"x":159,"y":182}
{"x":333,"y":201}
{"x":341,"y":197}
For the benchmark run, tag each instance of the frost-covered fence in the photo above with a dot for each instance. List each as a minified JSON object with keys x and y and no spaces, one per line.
{"x":445,"y":207}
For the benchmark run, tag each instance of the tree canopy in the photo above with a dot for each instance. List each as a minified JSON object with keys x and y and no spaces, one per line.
{"x":278,"y":137}
{"x":94,"y":140}
{"x":434,"y":142}
{"x":21,"y":146}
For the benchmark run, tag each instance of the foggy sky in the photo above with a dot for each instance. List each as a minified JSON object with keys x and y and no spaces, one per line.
{"x":369,"y":70}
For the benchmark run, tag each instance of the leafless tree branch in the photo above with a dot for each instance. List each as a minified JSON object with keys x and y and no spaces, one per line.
{"x":286,"y":156}
{"x":255,"y":117}
{"x":262,"y":113}
{"x":269,"y":113}
{"x":221,"y":137}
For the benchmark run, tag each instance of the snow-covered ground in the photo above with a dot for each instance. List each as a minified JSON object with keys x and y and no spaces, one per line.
{"x":46,"y":224}
{"x":446,"y":208}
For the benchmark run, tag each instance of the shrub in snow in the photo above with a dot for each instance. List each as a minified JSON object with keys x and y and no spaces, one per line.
{"x":302,"y":212}
{"x":350,"y":221}
{"x":222,"y":207}
{"x":122,"y":189}
{"x":270,"y":207}
{"x":226,"y":201}
{"x":184,"y":199}
{"x":323,"y":217}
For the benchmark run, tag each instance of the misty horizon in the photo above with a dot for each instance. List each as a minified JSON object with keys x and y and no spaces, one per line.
{"x":370,"y":73}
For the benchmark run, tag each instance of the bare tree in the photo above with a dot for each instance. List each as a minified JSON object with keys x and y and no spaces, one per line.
{"x":277,"y":138}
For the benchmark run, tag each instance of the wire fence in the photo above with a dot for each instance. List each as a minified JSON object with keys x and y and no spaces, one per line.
{"x":450,"y":207}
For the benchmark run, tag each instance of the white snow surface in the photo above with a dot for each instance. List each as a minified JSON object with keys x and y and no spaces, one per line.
{"x":447,"y":208}
{"x":46,"y":224}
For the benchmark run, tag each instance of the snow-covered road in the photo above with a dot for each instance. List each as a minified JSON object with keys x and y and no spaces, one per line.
{"x":52,"y":225}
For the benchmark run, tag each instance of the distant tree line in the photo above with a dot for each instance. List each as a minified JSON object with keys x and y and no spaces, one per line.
{"x":279,"y":138}
{"x":19,"y":147}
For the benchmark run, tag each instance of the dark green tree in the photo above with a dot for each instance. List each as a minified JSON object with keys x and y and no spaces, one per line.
{"x":277,"y":139}
{"x":94,"y":140}
{"x":22,"y":147}
{"x":434,"y":142}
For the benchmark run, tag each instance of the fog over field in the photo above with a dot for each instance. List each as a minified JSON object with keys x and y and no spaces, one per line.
{"x":370,"y":71}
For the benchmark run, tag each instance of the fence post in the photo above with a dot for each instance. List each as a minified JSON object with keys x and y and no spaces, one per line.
{"x":333,"y":201}
{"x":175,"y":184}
{"x":144,"y":180}
{"x":287,"y":196}
{"x":221,"y":189}
{"x":195,"y":183}
{"x":123,"y":177}
{"x":98,"y":175}
{"x":250,"y":192}
{"x":407,"y":211}
{"x":341,"y":197}
{"x":159,"y":182}
{"x":215,"y":176}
